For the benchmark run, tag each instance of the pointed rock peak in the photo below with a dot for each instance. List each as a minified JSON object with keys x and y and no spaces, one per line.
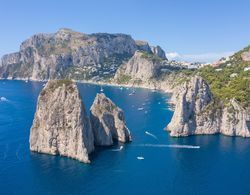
{"x":61,"y":126}
{"x":143,"y":46}
{"x":108,"y":122}
{"x":147,"y":55}
{"x":158,"y":51}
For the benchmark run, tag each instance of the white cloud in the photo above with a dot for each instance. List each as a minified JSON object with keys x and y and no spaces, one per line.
{"x":172,"y":55}
{"x":203,"y":57}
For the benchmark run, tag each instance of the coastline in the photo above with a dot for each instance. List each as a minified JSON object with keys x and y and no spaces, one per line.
{"x":100,"y":83}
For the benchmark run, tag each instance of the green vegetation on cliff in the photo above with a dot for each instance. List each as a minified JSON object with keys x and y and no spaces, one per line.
{"x":123,"y":79}
{"x":230,"y":79}
{"x":151,"y":57}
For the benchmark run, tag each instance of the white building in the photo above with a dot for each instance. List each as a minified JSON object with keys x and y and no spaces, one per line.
{"x":247,"y":68}
{"x":233,"y":75}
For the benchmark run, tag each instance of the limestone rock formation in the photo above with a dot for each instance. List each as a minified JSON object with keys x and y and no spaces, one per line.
{"x":142,"y":66}
{"x":47,"y":56}
{"x":108,"y":122}
{"x":196,"y":112}
{"x":143,"y":46}
{"x":246,"y":55}
{"x":158,"y":51}
{"x":72,"y":55}
{"x":61,"y":125}
{"x":234,"y":120}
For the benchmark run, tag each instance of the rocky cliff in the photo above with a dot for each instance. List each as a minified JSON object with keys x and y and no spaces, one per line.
{"x":61,"y":125}
{"x":197,"y":112}
{"x":69,"y":54}
{"x":158,"y":51}
{"x":108,"y":122}
{"x":141,"y":67}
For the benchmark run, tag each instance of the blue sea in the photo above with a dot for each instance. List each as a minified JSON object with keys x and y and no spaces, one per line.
{"x":220,"y":166}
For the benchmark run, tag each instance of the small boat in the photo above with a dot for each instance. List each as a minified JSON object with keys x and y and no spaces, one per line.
{"x":3,"y":99}
{"x":140,"y":108}
{"x":132,"y":93}
{"x":118,"y":149}
{"x":26,"y":81}
{"x":140,"y":157}
{"x":101,"y":90}
{"x":121,"y":88}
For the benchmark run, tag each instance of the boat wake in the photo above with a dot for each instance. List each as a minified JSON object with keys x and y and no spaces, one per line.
{"x":140,"y":157}
{"x":150,"y":134}
{"x":117,"y":150}
{"x":169,"y":146}
{"x":3,"y":99}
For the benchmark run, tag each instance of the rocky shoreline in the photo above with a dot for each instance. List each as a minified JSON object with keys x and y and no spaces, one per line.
{"x":228,"y":128}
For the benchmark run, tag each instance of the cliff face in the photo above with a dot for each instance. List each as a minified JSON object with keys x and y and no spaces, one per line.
{"x":46,"y":56}
{"x":158,"y":51}
{"x":108,"y":122}
{"x":143,"y":46}
{"x":61,"y":125}
{"x":142,"y":66}
{"x":196,"y":112}
{"x":69,"y":54}
{"x":234,"y":120}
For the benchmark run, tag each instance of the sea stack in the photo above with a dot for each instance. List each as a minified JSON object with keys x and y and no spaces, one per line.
{"x":108,"y":122}
{"x":198,"y":112}
{"x":61,"y":126}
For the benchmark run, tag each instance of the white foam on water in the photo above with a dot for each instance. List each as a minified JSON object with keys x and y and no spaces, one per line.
{"x":169,"y":146}
{"x":3,"y":99}
{"x":150,"y":134}
{"x":117,"y":150}
{"x":140,"y":157}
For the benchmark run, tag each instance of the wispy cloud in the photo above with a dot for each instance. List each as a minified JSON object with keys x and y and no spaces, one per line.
{"x":203,"y":57}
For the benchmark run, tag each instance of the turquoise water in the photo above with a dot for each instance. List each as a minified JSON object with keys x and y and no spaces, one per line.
{"x":219,"y":166}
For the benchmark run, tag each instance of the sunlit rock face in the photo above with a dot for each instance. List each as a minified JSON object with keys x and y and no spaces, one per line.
{"x":61,"y":126}
{"x":108,"y":122}
{"x":196,"y":112}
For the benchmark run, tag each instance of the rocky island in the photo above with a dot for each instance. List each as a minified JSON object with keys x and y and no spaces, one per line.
{"x":212,"y":99}
{"x":107,"y":121}
{"x":61,"y":125}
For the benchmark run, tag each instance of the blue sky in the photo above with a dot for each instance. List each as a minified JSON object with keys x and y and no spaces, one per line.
{"x":188,"y":29}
